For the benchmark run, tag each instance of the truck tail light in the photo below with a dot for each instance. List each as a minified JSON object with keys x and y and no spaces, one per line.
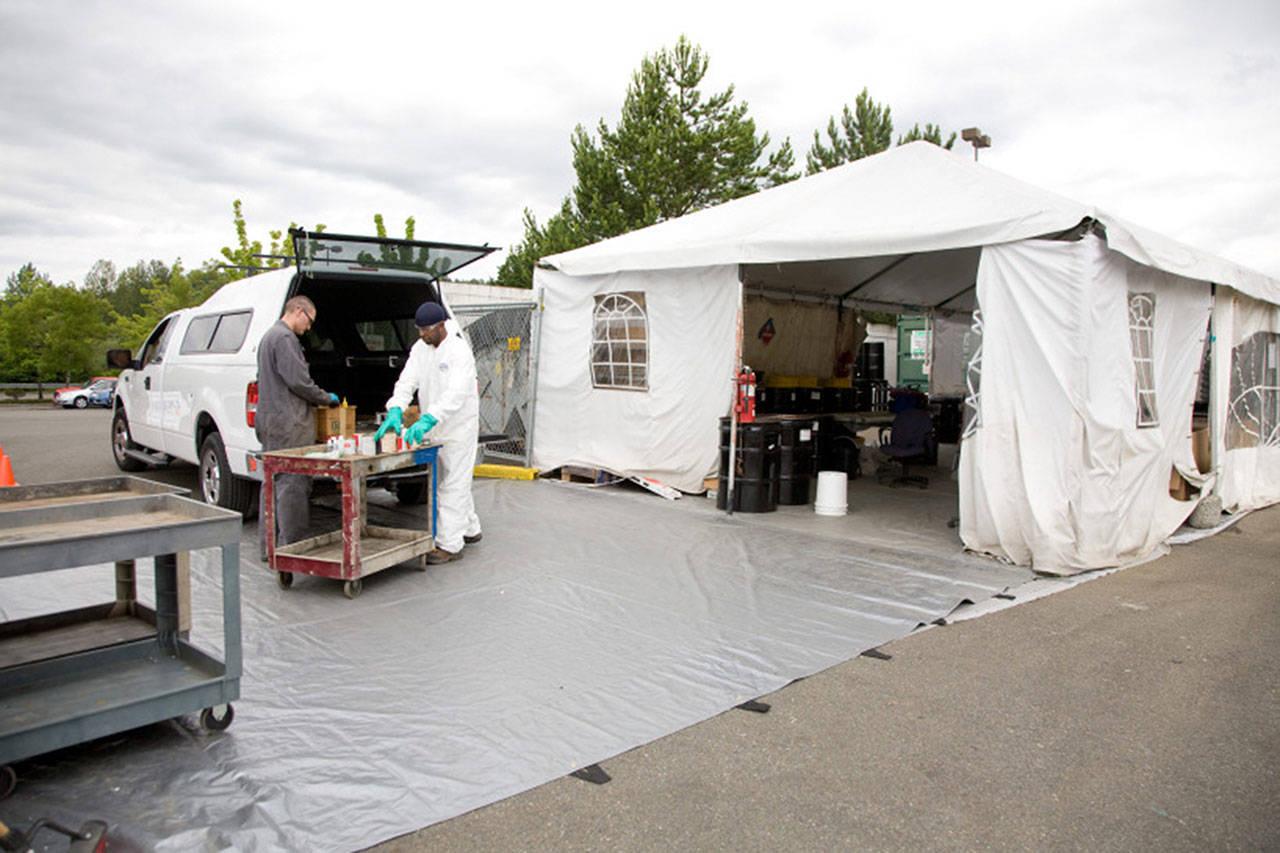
{"x":251,"y":403}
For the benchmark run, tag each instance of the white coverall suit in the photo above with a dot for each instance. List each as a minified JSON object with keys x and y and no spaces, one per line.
{"x":445,"y":378}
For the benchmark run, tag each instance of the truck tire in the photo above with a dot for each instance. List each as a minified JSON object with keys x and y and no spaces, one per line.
{"x":120,"y":442}
{"x":412,"y":492}
{"x":218,"y":486}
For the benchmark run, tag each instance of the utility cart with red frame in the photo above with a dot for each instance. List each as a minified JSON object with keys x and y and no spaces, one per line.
{"x":358,"y":548}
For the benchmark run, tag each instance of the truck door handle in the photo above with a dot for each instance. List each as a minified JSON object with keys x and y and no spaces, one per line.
{"x":146,"y":383}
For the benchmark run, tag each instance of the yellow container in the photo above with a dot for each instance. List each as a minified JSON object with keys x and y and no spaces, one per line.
{"x":791,"y":381}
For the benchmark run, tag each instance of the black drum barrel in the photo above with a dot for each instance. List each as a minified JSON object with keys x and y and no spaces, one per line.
{"x":871,"y":360}
{"x":756,"y":468}
{"x":796,"y":442}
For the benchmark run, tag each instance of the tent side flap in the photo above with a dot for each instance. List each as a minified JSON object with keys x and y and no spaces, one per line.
{"x":635,"y":371}
{"x":1246,"y":361}
{"x":1068,"y":468}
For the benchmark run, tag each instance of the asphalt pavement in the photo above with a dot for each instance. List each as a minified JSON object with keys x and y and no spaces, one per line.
{"x":50,"y":444}
{"x":1139,"y":710}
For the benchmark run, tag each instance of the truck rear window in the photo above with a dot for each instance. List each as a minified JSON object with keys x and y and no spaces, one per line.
{"x":387,"y":335}
{"x":322,"y":252}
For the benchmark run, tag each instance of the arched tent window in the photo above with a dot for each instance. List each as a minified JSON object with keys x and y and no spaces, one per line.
{"x":1142,"y":315}
{"x":620,"y":342}
{"x":1254,"y":414}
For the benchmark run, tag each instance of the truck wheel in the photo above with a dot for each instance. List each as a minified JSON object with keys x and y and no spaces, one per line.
{"x":120,"y":442}
{"x":218,"y":485}
{"x":412,"y":492}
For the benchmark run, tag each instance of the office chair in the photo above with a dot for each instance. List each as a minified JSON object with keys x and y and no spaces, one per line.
{"x":911,"y":438}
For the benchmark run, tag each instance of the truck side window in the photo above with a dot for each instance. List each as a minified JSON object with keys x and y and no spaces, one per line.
{"x":152,"y":350}
{"x":216,"y":333}
{"x":199,"y":332}
{"x":231,"y":332}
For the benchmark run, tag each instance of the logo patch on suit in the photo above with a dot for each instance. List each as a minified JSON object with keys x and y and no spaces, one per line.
{"x":444,"y":367}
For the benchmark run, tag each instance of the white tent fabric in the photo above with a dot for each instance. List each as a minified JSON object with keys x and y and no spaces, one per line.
{"x":1058,"y":475}
{"x":914,"y":198}
{"x":1061,"y":476}
{"x":910,"y":199}
{"x":668,"y":432}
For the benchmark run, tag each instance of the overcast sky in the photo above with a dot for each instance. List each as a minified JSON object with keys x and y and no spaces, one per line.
{"x":129,"y":127}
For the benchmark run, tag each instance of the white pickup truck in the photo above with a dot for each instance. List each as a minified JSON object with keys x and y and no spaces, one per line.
{"x":191,"y":393}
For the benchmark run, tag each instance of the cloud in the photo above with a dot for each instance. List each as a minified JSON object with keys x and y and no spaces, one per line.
{"x":131,"y":126}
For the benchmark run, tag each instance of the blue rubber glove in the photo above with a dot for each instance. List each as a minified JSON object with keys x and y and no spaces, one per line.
{"x":419,"y":429}
{"x":392,"y":421}
{"x":333,"y":399}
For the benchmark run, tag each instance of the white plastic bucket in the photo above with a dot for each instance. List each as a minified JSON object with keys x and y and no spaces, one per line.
{"x":832,"y":497}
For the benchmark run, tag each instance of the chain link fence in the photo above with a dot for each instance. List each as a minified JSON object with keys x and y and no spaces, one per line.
{"x":504,"y":339}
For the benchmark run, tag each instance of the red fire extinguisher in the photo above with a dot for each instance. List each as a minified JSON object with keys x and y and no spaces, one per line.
{"x":745,"y":399}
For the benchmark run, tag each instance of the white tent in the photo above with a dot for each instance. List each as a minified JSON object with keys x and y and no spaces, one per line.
{"x":1091,"y":331}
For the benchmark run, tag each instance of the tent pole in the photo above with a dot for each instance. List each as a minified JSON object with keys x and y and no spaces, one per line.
{"x":1217,"y":417}
{"x":731,"y":483}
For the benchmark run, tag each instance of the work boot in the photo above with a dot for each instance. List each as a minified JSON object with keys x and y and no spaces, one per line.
{"x":471,"y":540}
{"x":437,"y":556}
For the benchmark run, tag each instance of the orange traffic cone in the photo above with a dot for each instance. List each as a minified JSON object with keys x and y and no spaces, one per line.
{"x":6,"y":472}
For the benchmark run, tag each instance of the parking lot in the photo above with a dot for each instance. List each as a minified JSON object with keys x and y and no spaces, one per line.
{"x":1136,"y":711}
{"x":49,"y":444}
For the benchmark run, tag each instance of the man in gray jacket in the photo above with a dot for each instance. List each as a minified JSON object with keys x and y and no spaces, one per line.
{"x":285,"y":419}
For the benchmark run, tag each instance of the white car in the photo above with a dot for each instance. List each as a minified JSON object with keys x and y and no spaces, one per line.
{"x":192,"y":391}
{"x":78,"y":398}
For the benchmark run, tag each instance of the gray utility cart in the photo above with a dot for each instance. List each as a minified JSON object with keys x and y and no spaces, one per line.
{"x":86,"y":673}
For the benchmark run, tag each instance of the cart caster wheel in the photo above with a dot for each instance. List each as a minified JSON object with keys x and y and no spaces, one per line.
{"x":352,"y":588}
{"x":8,"y":781}
{"x":284,"y":580}
{"x":215,"y":723}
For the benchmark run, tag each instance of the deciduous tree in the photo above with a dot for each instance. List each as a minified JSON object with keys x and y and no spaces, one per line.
{"x":55,"y":331}
{"x":247,"y":258}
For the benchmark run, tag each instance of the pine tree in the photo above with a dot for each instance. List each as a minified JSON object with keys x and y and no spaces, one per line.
{"x":863,"y":131}
{"x":674,"y":150}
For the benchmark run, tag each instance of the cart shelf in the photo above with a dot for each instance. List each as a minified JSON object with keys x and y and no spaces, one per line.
{"x":73,"y":676}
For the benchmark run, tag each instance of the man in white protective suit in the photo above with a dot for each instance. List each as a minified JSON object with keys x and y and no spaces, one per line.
{"x":442,"y":370}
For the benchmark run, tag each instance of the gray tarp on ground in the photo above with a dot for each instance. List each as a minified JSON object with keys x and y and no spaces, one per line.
{"x":587,"y":622}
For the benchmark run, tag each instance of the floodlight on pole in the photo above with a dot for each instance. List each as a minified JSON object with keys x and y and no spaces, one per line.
{"x":976,"y":138}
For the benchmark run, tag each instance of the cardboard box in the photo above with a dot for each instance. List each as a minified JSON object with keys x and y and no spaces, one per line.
{"x":334,"y":420}
{"x":1179,"y":488}
{"x":1200,"y":448}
